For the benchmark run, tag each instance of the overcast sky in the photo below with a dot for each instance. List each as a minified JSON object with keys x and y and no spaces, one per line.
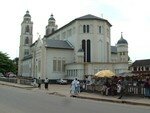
{"x":131,"y":17}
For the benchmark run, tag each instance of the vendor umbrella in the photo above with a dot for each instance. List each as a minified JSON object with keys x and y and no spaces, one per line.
{"x":104,"y":73}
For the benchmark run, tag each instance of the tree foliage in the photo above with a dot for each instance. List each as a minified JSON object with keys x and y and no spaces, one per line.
{"x":6,"y":64}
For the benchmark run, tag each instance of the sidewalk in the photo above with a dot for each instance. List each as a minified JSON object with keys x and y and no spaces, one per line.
{"x":64,"y":90}
{"x":125,"y":100}
{"x":15,"y":85}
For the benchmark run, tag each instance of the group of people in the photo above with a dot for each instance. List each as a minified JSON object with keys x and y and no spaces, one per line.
{"x":117,"y":87}
{"x":75,"y":87}
{"x":38,"y":82}
{"x":147,"y":88}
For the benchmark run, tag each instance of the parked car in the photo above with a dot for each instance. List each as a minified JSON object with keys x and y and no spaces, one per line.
{"x":61,"y":81}
{"x":2,"y":76}
{"x":10,"y":74}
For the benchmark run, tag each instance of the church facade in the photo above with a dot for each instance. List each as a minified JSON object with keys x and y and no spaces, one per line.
{"x":79,"y":48}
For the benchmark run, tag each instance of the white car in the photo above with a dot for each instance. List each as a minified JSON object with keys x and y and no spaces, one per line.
{"x":62,"y":81}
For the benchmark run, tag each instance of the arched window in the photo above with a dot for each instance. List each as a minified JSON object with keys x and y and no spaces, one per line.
{"x":83,"y":47}
{"x":88,"y":28}
{"x":84,"y":28}
{"x":47,"y":31}
{"x":100,"y":29}
{"x":88,"y":51}
{"x":27,"y":29}
{"x":53,"y":30}
{"x":86,"y":46}
{"x":26,"y":40}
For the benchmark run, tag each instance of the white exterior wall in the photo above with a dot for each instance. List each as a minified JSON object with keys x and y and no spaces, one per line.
{"x":122,"y":48}
{"x":33,"y":61}
{"x":59,"y":54}
{"x":92,"y":68}
{"x":117,"y":68}
{"x":98,"y":41}
{"x":26,"y":71}
{"x":114,"y":57}
{"x":121,"y":67}
{"x":78,"y":67}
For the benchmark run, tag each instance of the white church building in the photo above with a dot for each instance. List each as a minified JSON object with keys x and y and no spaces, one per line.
{"x":79,"y":48}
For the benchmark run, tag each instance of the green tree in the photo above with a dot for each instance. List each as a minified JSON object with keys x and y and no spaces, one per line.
{"x":6,"y":64}
{"x":15,"y":62}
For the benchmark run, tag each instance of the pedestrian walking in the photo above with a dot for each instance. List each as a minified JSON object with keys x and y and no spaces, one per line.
{"x":119,"y":88}
{"x":78,"y":86}
{"x":39,"y":82}
{"x":73,"y":90}
{"x":123,"y":84}
{"x":34,"y":82}
{"x":46,"y":83}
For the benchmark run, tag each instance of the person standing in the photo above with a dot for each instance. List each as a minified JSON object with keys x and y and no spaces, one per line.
{"x":73,"y":88}
{"x":147,"y":88}
{"x":78,"y":86}
{"x":123,"y":88}
{"x":39,"y":82}
{"x":34,"y":82}
{"x":46,"y":83}
{"x":119,"y":88}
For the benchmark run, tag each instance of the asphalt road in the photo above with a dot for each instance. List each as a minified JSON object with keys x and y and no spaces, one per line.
{"x":15,"y":100}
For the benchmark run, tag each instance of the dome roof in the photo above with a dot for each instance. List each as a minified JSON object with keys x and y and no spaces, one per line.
{"x":27,"y":14}
{"x":122,"y":40}
{"x":52,"y":18}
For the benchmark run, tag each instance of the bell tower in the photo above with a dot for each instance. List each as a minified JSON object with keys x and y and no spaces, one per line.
{"x":122,"y":49}
{"x":51,"y":27}
{"x":26,"y":38}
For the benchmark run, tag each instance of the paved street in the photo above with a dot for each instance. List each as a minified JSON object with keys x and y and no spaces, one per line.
{"x":16,"y":100}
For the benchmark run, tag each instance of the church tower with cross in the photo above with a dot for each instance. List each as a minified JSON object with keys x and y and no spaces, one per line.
{"x":26,"y":38}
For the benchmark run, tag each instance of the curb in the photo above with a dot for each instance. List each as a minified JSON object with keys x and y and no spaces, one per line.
{"x":115,"y":101}
{"x":57,"y":94}
{"x":15,"y":86}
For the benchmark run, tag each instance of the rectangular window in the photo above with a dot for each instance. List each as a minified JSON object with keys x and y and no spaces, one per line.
{"x":26,"y":52}
{"x":134,"y":69}
{"x":100,"y":29}
{"x":108,"y":51}
{"x":63,"y":65}
{"x":88,"y":28}
{"x":39,"y":66}
{"x":84,"y":28}
{"x":54,"y":65}
{"x":59,"y":65}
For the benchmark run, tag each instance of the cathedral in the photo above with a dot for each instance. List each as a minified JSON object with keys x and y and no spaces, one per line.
{"x":80,"y":48}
